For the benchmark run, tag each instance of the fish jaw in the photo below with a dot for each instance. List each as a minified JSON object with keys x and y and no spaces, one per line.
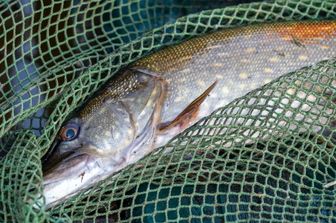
{"x":77,"y":173}
{"x":71,"y":176}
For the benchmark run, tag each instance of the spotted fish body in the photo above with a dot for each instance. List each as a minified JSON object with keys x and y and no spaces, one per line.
{"x":240,"y":59}
{"x":162,"y":94}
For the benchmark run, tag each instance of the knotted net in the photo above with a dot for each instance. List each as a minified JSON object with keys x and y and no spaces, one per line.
{"x":265,"y":157}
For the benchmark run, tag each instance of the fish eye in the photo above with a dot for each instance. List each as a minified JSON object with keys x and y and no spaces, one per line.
{"x":69,"y":132}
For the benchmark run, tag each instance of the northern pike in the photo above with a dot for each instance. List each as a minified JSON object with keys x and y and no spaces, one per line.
{"x":160,"y":95}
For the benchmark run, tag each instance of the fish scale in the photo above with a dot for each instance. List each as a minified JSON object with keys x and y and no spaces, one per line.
{"x":159,"y":96}
{"x":241,"y":59}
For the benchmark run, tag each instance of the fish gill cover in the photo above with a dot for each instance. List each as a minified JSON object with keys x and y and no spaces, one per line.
{"x":248,"y":161}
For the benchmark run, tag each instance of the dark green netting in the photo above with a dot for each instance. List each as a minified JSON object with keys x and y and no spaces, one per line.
{"x":233,"y":166}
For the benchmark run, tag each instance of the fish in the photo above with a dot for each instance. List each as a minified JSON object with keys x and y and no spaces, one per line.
{"x":157,"y":97}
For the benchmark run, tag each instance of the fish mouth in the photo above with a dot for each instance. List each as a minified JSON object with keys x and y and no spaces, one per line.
{"x":73,"y":164}
{"x":69,"y":176}
{"x":53,"y":157}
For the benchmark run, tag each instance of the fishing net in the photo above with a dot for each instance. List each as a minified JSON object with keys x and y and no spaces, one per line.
{"x":266,"y":157}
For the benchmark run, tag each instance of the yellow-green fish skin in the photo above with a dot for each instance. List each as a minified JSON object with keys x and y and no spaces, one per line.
{"x":240,"y":59}
{"x":123,"y":122}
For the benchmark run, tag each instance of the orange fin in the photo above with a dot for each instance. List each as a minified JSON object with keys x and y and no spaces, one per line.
{"x":189,"y":113}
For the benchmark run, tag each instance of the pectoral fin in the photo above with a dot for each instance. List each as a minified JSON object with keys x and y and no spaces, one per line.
{"x":189,"y":114}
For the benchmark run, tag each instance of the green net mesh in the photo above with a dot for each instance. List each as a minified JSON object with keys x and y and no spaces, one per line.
{"x":232,"y":166}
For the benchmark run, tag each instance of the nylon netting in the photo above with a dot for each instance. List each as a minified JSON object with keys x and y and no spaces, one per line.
{"x":233,"y":166}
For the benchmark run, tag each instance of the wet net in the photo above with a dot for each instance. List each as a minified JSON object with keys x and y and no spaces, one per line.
{"x":266,"y":157}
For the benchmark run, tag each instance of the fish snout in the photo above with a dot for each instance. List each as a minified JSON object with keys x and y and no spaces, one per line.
{"x":69,"y":176}
{"x":74,"y":163}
